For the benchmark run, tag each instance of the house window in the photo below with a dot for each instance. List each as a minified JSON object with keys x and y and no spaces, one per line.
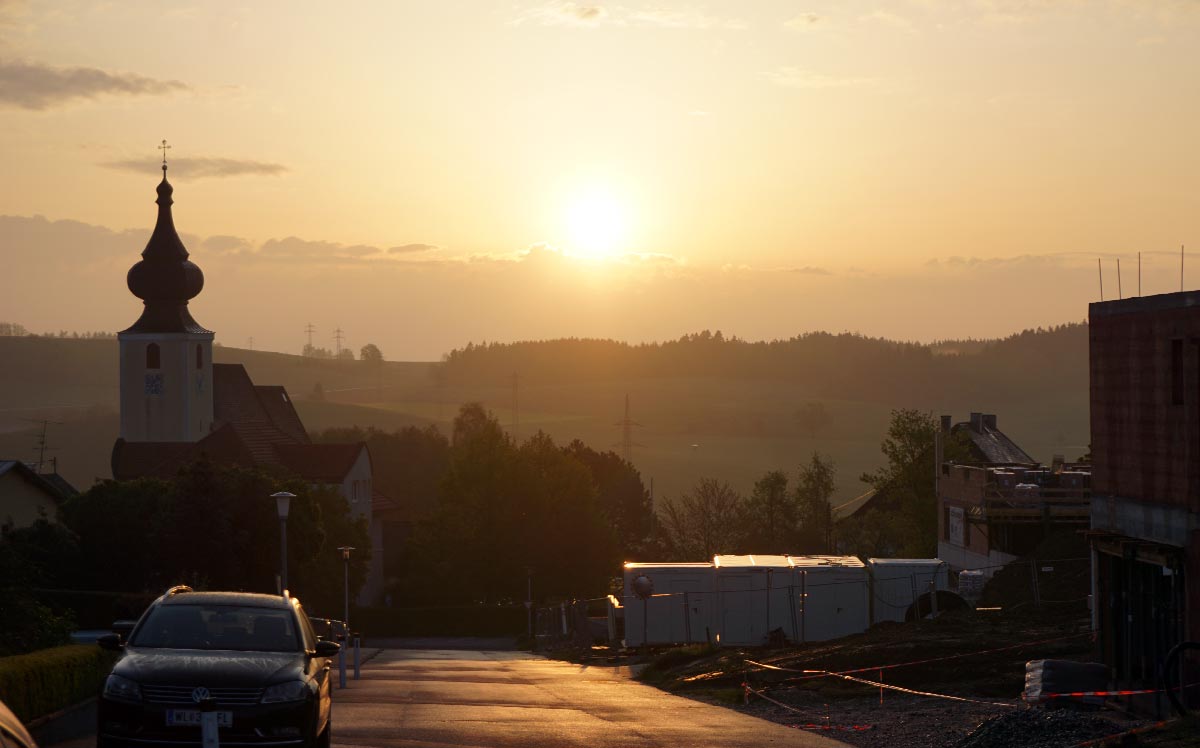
{"x":153,"y":357}
{"x":1177,"y":372}
{"x":199,"y":356}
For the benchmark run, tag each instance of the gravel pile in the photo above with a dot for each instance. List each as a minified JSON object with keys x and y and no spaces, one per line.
{"x":1036,"y":728}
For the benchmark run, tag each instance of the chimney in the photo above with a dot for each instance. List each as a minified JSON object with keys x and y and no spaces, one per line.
{"x":945,"y":424}
{"x":977,"y":422}
{"x":989,"y":421}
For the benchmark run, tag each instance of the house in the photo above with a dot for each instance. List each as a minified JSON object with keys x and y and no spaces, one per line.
{"x":177,"y":406}
{"x":1145,"y":506}
{"x":27,"y":495}
{"x":998,"y":503}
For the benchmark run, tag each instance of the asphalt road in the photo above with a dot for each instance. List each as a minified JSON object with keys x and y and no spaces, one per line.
{"x":443,"y":697}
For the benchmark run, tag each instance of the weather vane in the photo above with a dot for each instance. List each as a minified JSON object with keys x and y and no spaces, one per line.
{"x":164,"y":148}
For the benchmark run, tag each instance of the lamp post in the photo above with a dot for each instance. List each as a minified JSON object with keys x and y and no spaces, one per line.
{"x":346,"y":549}
{"x":283,"y":504}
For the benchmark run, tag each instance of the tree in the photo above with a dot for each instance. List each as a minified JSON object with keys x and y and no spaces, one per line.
{"x":371,"y":355}
{"x":770,"y":516}
{"x":214,"y":527}
{"x":623,"y":499}
{"x":345,"y":354}
{"x":905,"y":484}
{"x":702,"y":523}
{"x":814,"y":490}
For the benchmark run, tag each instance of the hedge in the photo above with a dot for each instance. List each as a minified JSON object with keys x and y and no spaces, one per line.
{"x":467,"y":620}
{"x":42,"y":682}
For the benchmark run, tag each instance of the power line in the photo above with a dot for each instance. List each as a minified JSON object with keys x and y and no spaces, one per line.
{"x":310,"y":330}
{"x":338,"y":337}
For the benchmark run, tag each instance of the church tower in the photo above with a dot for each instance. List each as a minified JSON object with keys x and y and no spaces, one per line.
{"x":166,"y":357}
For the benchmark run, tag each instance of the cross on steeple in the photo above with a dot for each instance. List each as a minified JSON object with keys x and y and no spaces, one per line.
{"x":164,"y":148}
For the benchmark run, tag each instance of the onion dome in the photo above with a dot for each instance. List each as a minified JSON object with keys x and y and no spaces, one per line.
{"x":164,"y":278}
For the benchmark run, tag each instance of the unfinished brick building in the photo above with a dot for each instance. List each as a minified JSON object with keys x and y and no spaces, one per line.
{"x":1145,"y":510}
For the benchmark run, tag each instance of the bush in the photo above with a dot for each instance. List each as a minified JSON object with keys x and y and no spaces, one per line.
{"x":42,"y":682}
{"x":95,"y":610}
{"x":28,"y":625}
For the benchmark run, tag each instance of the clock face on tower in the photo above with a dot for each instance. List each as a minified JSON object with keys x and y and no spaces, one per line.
{"x":154,"y":384}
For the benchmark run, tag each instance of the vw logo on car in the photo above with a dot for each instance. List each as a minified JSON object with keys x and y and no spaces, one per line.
{"x":199,"y":694}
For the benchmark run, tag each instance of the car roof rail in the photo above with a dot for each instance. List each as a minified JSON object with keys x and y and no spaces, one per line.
{"x":177,"y":589}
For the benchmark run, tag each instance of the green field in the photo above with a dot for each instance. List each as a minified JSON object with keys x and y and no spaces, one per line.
{"x":730,"y":428}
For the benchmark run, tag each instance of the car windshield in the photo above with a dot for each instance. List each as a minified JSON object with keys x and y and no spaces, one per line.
{"x":201,"y":626}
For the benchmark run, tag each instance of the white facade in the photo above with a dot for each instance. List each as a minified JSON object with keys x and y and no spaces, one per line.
{"x":669,"y":616}
{"x":166,"y":386}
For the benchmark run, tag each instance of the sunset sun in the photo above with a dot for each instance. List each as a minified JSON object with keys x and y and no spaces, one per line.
{"x":597,"y":224}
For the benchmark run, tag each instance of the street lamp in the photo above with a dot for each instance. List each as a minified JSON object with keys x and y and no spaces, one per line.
{"x":283,"y":504}
{"x":345,"y":549}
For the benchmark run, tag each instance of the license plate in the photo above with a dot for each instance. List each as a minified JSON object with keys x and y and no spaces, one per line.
{"x":191,"y":717}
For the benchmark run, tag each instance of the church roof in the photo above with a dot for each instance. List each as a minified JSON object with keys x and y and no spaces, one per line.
{"x":165,"y":279}
{"x":255,"y":426}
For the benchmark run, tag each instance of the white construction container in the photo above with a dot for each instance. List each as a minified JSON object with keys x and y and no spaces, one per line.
{"x":679,"y":610}
{"x":898,"y":582}
{"x":835,"y":597}
{"x":807,"y":598}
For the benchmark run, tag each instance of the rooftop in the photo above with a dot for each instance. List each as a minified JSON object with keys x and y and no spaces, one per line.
{"x":1156,"y":303}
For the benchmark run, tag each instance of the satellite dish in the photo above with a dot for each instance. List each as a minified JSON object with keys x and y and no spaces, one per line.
{"x":642,"y":586}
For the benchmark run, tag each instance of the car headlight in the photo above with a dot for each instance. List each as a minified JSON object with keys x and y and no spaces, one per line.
{"x":293,"y":690}
{"x":118,"y":688}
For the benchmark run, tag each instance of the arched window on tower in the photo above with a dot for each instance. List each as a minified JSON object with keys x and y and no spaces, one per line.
{"x":153,"y":357}
{"x":199,"y":356}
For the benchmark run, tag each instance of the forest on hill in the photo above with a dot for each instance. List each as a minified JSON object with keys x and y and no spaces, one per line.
{"x":706,"y":405}
{"x":843,"y":366}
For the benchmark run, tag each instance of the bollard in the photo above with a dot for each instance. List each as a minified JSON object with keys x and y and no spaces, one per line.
{"x":357,"y":654}
{"x":342,"y":667}
{"x":208,"y":723}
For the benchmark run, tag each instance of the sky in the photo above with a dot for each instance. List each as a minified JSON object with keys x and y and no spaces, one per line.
{"x":421,"y":175}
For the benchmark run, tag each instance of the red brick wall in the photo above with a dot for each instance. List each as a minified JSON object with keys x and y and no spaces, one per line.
{"x":1144,"y":445}
{"x":963,"y":487}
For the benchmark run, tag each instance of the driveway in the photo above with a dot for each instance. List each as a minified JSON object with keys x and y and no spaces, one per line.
{"x":444,"y":697}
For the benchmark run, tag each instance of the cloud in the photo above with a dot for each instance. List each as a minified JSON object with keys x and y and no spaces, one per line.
{"x":804,"y":21}
{"x":36,"y":86}
{"x":887,"y":18}
{"x":412,"y":249}
{"x":201,"y":166}
{"x":810,"y":270}
{"x":566,"y":13}
{"x":223,"y":243}
{"x":794,"y":77}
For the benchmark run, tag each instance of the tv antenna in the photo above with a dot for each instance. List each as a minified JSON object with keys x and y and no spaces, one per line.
{"x":41,"y":444}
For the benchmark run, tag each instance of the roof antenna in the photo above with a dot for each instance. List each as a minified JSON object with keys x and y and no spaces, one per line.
{"x":1181,"y":267}
{"x":1120,"y":293}
{"x":1100,"y":267}
{"x":1139,"y":274}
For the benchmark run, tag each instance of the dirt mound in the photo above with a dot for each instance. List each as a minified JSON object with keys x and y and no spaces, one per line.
{"x":1035,"y":728}
{"x":1062,"y":567}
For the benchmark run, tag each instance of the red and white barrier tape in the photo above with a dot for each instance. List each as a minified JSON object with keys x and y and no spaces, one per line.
{"x":807,"y":726}
{"x":925,"y":661}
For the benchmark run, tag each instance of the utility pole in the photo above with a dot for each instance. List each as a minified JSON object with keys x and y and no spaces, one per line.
{"x":627,"y":424}
{"x":310,"y":330}
{"x":250,"y":342}
{"x":337,"y":336}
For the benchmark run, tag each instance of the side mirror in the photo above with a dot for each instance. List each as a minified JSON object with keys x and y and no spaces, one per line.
{"x":110,"y":642}
{"x":328,"y":649}
{"x":123,"y":628}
